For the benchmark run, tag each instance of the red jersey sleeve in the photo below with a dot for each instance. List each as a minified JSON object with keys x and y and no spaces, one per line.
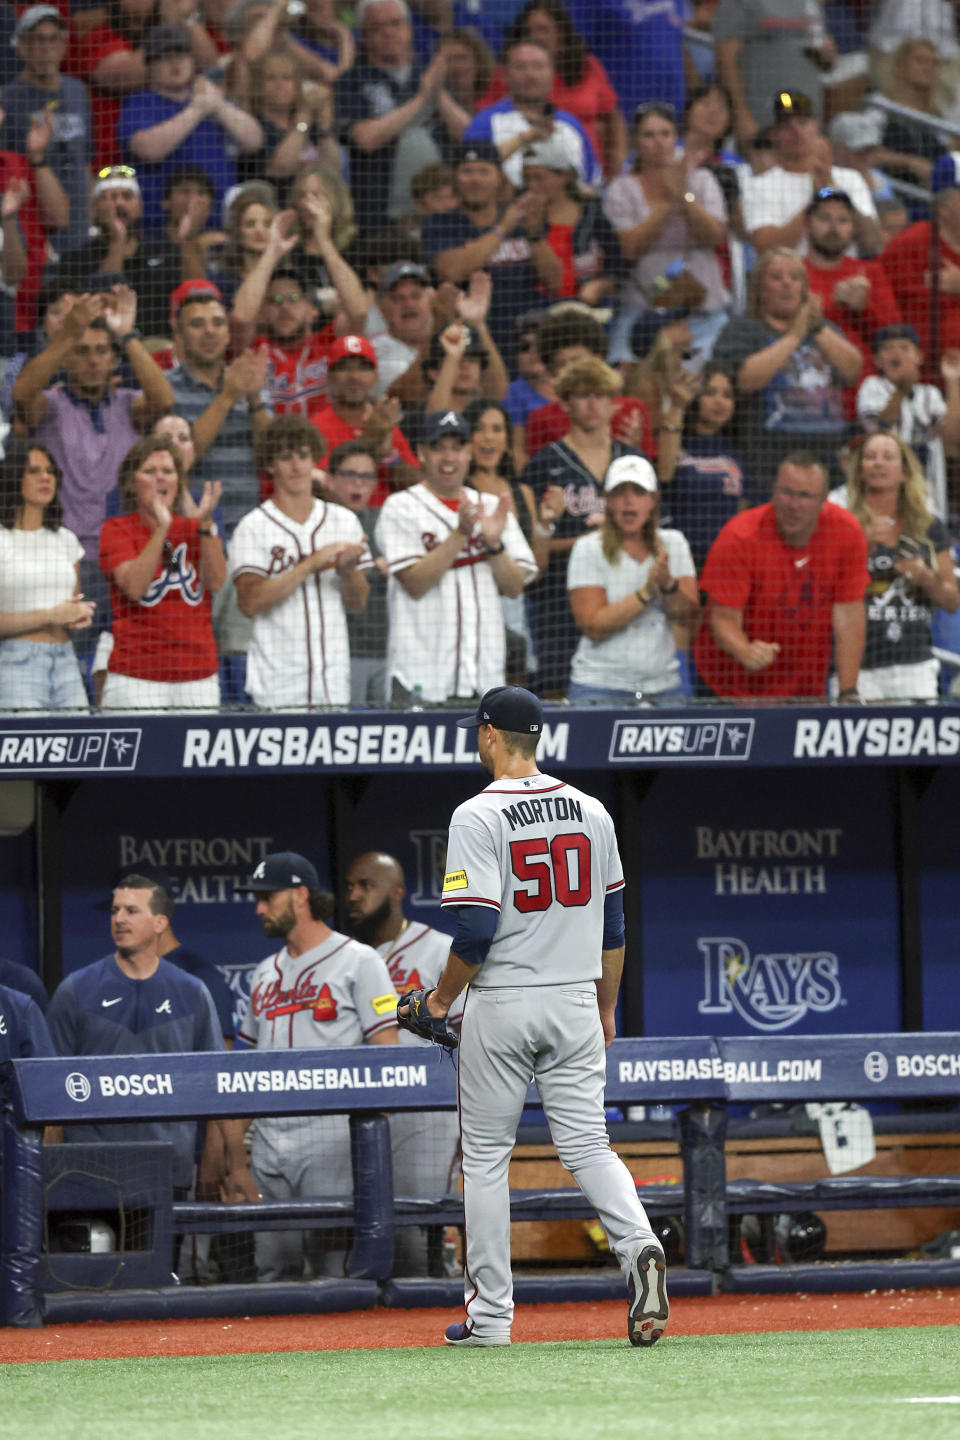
{"x":119,"y":541}
{"x":402,"y":448}
{"x":496,"y":89}
{"x":607,"y":98}
{"x":727,"y":571}
{"x":853,"y":576}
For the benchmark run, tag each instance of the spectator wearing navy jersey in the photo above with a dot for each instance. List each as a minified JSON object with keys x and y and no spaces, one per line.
{"x":132,"y":1002}
{"x":704,"y":474}
{"x":485,"y":232}
{"x":23,"y":1030}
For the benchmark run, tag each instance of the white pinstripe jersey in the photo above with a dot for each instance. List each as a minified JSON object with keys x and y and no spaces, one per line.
{"x":416,"y":958}
{"x":299,"y":651}
{"x":451,"y":641}
{"x":544,"y":856}
{"x":338,"y":993}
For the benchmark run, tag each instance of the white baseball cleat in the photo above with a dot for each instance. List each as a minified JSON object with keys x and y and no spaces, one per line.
{"x":462,"y":1334}
{"x":647,"y":1285}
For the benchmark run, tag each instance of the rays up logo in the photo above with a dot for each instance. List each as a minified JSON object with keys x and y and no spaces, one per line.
{"x":768,"y":992}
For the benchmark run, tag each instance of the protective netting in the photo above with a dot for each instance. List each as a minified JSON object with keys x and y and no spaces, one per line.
{"x":389,"y":291}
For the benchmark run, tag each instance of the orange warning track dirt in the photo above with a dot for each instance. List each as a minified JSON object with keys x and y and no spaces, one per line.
{"x":387,"y":1329}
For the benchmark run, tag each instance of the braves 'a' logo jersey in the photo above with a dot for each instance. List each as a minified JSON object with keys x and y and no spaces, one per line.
{"x":177,"y":574}
{"x":339,"y":993}
{"x":415,"y":961}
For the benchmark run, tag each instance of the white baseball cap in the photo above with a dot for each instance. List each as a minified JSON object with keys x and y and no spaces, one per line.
{"x":631,"y":470}
{"x":32,"y":17}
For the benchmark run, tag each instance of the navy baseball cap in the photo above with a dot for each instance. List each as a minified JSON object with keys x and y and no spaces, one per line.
{"x":281,"y":871}
{"x":508,"y":707}
{"x":479,"y":150}
{"x":830,"y":192}
{"x":166,"y":40}
{"x":444,"y":422}
{"x":945,"y":174}
{"x":895,"y":332}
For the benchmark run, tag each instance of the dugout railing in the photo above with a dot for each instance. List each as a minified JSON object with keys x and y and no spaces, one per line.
{"x":701,"y":1076}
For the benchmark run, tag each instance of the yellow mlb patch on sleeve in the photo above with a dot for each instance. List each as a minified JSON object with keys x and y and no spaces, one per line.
{"x":455,"y":880}
{"x":384,"y":1004}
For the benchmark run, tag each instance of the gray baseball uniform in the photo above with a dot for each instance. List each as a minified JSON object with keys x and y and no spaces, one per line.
{"x":338,"y":993}
{"x":424,"y":1142}
{"x":543,"y":855}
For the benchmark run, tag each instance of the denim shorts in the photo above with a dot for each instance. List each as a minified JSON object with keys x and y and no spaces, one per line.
{"x":38,"y":676}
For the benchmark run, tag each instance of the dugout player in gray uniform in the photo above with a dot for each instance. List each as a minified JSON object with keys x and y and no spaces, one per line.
{"x":424,"y":1143}
{"x":320,"y":990}
{"x":535,"y":879}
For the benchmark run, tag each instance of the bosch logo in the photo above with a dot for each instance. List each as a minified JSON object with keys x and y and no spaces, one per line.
{"x":875,"y":1066}
{"x":77,"y":1086}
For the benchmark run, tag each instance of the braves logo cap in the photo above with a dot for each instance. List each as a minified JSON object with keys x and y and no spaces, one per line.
{"x":282,"y":871}
{"x":508,"y":707}
{"x":444,"y":422}
{"x":351,"y":345}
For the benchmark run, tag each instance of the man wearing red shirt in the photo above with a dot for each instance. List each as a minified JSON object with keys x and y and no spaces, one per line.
{"x":856,"y":294}
{"x":352,"y":415}
{"x":782,"y":581}
{"x":906,"y":260}
{"x":298,"y":354}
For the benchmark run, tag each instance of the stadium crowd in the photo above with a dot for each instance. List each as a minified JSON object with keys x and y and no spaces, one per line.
{"x":383,"y":356}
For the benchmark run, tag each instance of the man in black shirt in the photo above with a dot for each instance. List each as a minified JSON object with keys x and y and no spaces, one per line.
{"x":152,"y":267}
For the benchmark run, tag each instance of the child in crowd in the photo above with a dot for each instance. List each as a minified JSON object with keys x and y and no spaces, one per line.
{"x":922,"y":415}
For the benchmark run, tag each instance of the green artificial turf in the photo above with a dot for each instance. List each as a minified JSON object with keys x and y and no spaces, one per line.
{"x":797,"y":1385}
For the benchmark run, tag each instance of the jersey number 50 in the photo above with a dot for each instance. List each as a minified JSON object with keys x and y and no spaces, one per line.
{"x":564,"y":872}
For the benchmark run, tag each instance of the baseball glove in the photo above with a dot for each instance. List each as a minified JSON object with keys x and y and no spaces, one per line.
{"x":413,"y":1015}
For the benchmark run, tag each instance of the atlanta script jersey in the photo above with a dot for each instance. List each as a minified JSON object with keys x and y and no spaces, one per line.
{"x":338,"y":993}
{"x":451,"y":641}
{"x":415,"y":961}
{"x":544,"y":856}
{"x":299,"y":651}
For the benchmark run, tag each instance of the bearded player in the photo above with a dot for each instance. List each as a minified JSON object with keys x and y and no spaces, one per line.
{"x":320,"y":990}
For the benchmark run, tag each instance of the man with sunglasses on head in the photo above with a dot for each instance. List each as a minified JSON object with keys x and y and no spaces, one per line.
{"x":775,"y":203}
{"x":47,"y":117}
{"x":152,"y":266}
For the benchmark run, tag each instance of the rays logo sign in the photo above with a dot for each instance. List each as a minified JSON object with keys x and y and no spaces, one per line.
{"x":768,"y":992}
